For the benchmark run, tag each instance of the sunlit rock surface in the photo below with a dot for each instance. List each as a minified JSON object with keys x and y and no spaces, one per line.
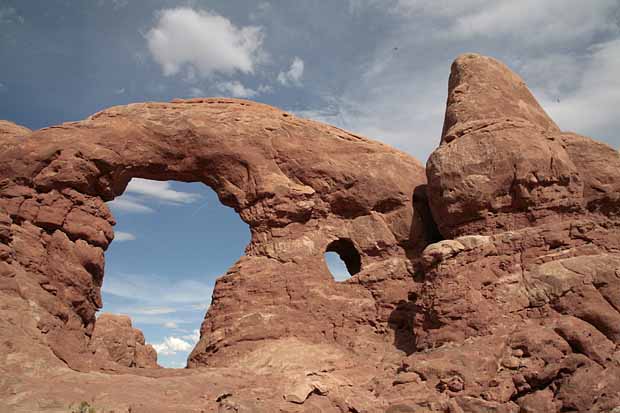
{"x":494,"y":287}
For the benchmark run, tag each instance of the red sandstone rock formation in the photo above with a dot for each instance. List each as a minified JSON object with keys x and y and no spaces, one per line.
{"x":300,"y":185}
{"x":504,"y":165}
{"x":515,"y":308}
{"x":114,"y":338}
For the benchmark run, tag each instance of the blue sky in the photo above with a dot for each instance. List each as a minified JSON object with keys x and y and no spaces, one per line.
{"x":172,"y":241}
{"x":376,"y":67}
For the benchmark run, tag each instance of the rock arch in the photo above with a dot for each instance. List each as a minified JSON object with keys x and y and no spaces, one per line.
{"x":297,"y":183}
{"x":515,"y":307}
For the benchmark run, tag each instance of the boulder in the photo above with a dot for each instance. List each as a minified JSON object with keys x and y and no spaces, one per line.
{"x":114,"y":338}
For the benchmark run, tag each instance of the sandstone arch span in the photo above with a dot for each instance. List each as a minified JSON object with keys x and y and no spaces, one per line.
{"x":298,"y":184}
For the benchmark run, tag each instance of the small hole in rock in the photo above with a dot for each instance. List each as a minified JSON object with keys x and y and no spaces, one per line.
{"x":343,"y":259}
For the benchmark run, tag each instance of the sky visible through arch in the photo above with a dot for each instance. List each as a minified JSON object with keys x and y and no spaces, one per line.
{"x":376,"y":67}
{"x":172,"y":241}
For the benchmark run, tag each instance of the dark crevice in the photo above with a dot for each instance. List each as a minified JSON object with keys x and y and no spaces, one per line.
{"x":387,"y":205}
{"x":402,"y":321}
{"x":345,"y":248}
{"x":422,"y":209}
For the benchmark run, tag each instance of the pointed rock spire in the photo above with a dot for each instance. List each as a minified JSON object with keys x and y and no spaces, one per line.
{"x":500,"y":165}
{"x":503,"y":164}
{"x":484,"y":91}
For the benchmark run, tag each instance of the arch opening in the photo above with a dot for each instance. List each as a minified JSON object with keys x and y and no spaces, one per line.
{"x":172,"y":241}
{"x":342,"y":256}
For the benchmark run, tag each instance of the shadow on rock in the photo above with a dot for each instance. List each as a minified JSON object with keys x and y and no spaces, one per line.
{"x":402,"y":320}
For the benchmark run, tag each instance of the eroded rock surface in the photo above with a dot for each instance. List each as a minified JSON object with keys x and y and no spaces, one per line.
{"x":504,"y":165}
{"x":300,"y":186}
{"x":506,"y":301}
{"x":114,"y":338}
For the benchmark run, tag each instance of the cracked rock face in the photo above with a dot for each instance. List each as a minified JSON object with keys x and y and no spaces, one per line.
{"x":492,"y":286}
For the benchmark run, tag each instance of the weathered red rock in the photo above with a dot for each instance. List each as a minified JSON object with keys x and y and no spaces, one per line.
{"x":515,"y":309}
{"x":534,"y":261}
{"x":114,"y":338}
{"x":483,"y":91}
{"x":300,"y":185}
{"x":504,"y":165}
{"x":10,"y":129}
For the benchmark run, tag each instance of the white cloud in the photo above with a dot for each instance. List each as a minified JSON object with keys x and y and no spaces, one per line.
{"x":141,"y":191}
{"x":236,"y":89}
{"x":592,"y":107}
{"x":203,"y":41}
{"x":545,"y":22}
{"x":157,"y":289}
{"x":120,"y":236}
{"x":192,"y":338}
{"x":153,"y":310}
{"x":294,"y":73}
{"x":129,"y":204}
{"x":398,"y":93}
{"x":172,"y":345}
{"x":157,"y":300}
{"x":159,"y":190}
{"x":407,"y":115}
{"x":171,"y":324}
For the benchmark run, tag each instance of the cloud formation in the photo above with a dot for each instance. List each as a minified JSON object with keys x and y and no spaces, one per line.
{"x":156,"y":290}
{"x":592,"y":106}
{"x":120,"y":236}
{"x":556,"y":21}
{"x":236,"y":89}
{"x":140,"y":193}
{"x":565,"y":50}
{"x":294,"y":74}
{"x":172,"y":345}
{"x":153,"y":310}
{"x":129,"y":204}
{"x":159,"y":190}
{"x":203,"y":41}
{"x":155,"y":300}
{"x":193,"y":337}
